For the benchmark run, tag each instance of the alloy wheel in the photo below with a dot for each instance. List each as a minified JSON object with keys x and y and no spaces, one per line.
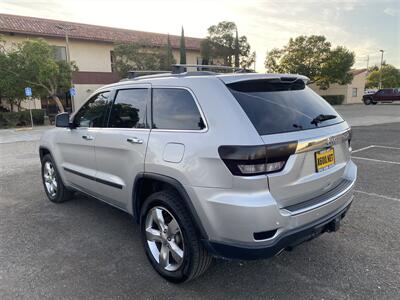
{"x":164,"y":238}
{"x":50,"y":179}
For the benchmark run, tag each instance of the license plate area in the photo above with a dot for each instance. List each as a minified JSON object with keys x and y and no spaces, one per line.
{"x":324,"y":159}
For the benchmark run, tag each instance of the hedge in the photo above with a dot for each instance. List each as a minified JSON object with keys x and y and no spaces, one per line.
{"x":21,"y":118}
{"x":334,"y":99}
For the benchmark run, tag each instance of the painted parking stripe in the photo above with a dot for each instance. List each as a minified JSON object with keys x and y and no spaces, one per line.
{"x":377,"y":160}
{"x":377,"y":195}
{"x":386,"y":147}
{"x":362,"y":149}
{"x":375,"y":146}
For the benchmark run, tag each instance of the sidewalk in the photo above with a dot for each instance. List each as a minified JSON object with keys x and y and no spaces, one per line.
{"x":22,"y":134}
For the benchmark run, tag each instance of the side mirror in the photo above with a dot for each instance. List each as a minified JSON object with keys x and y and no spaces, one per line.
{"x":62,"y":120}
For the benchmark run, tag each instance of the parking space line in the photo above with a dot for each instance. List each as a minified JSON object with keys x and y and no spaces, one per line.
{"x":377,"y":160}
{"x":386,"y":147}
{"x":377,"y":195}
{"x":362,"y":149}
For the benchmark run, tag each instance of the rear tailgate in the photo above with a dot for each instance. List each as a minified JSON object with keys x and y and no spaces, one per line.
{"x":301,"y":180}
{"x":283,"y":110}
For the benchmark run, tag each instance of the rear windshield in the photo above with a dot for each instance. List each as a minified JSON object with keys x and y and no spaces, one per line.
{"x":276,"y":106}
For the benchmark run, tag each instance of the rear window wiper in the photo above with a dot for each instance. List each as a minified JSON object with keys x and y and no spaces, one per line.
{"x":321,"y":118}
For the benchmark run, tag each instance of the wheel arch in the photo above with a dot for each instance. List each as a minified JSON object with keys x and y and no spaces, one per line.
{"x":43,"y":151}
{"x":148,"y":183}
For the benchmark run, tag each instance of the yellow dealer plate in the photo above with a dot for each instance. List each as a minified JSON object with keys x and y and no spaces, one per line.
{"x":324,"y":159}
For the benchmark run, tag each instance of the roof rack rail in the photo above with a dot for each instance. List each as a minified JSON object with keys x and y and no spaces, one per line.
{"x":135,"y":74}
{"x":186,"y":70}
{"x":182,"y":68}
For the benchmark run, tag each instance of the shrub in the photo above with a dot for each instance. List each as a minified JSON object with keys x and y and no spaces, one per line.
{"x":334,"y":99}
{"x":22,"y":118}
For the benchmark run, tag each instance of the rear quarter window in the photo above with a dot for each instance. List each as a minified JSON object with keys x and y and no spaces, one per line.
{"x":274,"y":106}
{"x":175,"y":109}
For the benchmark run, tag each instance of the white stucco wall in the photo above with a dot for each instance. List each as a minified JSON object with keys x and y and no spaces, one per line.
{"x":358,"y":83}
{"x":88,"y":55}
{"x":25,"y":104}
{"x":345,"y":90}
{"x":83,"y":91}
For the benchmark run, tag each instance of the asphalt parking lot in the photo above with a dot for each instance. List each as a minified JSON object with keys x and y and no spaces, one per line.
{"x":88,"y":250}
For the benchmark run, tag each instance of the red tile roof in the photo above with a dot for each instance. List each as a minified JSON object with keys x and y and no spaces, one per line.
{"x":48,"y":28}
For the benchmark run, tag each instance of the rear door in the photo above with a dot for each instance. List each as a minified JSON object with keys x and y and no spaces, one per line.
{"x":121,"y":146}
{"x":394,"y":95}
{"x":383,"y":95}
{"x":288,"y":111}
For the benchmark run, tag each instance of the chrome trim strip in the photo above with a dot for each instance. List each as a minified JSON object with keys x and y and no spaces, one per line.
{"x":324,"y":141}
{"x":327,"y":201}
{"x":113,"y":184}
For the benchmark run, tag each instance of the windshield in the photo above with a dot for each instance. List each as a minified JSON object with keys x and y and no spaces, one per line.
{"x":277,"y":107}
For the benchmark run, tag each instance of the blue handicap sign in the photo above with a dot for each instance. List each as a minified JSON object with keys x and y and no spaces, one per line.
{"x":28,"y":92}
{"x":72,"y":91}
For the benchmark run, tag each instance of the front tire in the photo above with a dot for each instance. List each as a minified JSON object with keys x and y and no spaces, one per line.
{"x":52,"y":183}
{"x":170,"y":239}
{"x":367,"y":101}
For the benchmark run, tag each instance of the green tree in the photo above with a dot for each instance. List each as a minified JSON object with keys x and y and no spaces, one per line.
{"x":11,"y":88}
{"x":390,"y":77}
{"x":142,"y":56}
{"x":182,"y":48}
{"x":33,"y":64}
{"x":136,"y":56}
{"x":221,"y":43}
{"x":166,"y":57}
{"x":313,"y":57}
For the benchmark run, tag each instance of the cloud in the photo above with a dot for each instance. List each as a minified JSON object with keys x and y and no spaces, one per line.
{"x":390,"y":11}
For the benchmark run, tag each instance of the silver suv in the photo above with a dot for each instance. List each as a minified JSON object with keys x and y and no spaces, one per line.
{"x":237,"y":166}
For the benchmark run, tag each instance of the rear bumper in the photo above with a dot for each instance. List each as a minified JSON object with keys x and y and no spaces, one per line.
{"x":286,"y":241}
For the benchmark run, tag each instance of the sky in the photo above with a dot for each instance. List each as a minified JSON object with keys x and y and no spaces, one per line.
{"x":362,"y":26}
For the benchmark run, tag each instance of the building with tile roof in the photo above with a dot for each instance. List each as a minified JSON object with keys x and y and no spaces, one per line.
{"x":91,"y":47}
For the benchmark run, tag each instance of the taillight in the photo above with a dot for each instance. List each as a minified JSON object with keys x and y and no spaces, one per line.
{"x":256,"y":160}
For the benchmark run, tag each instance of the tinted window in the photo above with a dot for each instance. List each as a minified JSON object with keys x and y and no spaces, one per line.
{"x":276,"y":107}
{"x":129,"y":109}
{"x":175,"y":109}
{"x":93,"y":113}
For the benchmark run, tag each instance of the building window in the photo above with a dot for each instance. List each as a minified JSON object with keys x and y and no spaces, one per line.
{"x":354,"y":92}
{"x":112,"y":59}
{"x":60,"y":53}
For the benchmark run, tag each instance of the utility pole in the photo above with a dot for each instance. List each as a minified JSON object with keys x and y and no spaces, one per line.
{"x":255,"y":58}
{"x":367,"y":61}
{"x":380,"y":70}
{"x":67,"y":29}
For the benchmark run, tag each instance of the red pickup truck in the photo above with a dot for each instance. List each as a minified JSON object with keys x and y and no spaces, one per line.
{"x":383,"y":95}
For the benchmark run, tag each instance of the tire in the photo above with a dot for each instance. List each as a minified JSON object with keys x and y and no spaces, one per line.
{"x":367,"y":101}
{"x":52,"y":183}
{"x":193,"y":260}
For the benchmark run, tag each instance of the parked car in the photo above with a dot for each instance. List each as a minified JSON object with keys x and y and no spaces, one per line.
{"x":382,"y":95}
{"x":236,"y":166}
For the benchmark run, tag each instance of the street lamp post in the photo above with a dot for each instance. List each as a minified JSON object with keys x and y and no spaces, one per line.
{"x":380,"y":70}
{"x":67,"y":29}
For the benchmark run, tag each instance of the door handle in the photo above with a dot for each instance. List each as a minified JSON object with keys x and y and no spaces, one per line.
{"x":88,"y":137}
{"x":134,"y":140}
